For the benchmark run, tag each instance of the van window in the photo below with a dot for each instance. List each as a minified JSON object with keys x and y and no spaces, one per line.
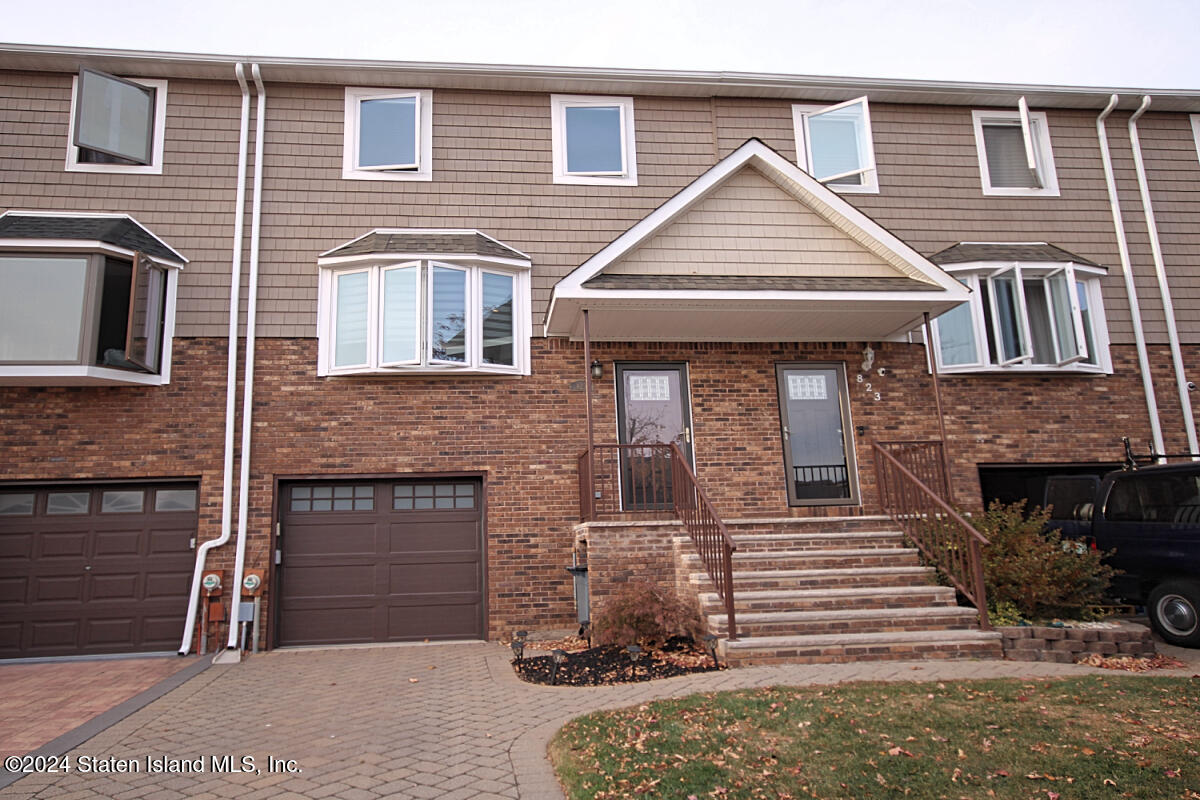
{"x":1170,"y":498}
{"x":1066,"y":493}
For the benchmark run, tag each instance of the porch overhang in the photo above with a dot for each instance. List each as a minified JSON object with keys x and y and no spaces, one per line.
{"x":722,"y":316}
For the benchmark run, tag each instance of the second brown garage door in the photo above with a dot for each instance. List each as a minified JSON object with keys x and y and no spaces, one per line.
{"x":380,"y":561}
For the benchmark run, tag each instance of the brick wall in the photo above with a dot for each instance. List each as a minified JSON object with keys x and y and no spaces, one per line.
{"x":525,"y":434}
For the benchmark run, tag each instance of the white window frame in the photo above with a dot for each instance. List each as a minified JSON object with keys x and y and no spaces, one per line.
{"x":1196,"y":133}
{"x":426,"y":364}
{"x":377,"y":339}
{"x":423,"y":171}
{"x":870,"y":175}
{"x":1039,"y":154}
{"x":155,"y":167}
{"x":559,"y":103}
{"x":976,"y":273}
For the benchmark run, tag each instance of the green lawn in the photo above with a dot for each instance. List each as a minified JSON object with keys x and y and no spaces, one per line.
{"x":1093,"y":737}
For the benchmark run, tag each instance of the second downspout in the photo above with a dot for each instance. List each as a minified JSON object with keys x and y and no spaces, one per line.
{"x":248,"y":379}
{"x":1135,"y":311}
{"x":1185,"y":401}
{"x":235,"y":282}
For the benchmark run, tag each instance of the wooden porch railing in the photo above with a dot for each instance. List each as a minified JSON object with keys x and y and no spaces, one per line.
{"x":656,"y":480}
{"x":947,"y":541}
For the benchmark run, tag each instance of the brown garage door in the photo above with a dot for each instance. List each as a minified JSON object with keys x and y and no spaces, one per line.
{"x":381,"y":561}
{"x":94,"y":569}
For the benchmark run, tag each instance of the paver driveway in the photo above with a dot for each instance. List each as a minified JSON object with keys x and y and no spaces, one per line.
{"x":433,"y":721}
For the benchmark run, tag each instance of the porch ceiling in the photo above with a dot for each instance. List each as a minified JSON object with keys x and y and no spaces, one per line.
{"x":747,"y":316}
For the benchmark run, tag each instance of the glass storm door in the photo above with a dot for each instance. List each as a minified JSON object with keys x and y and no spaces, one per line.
{"x":818,"y":450}
{"x":652,"y":408}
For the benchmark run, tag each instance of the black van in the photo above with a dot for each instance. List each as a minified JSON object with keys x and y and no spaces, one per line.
{"x":1150,"y":517}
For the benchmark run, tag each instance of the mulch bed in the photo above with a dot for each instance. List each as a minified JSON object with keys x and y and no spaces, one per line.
{"x":605,"y":665}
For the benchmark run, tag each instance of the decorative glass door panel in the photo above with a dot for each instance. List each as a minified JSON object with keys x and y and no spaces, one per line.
{"x":818,"y":449}
{"x":653,"y":408}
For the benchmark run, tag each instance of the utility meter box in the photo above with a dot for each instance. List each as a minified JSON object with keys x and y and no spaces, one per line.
{"x":211,"y":583}
{"x":252,"y":583}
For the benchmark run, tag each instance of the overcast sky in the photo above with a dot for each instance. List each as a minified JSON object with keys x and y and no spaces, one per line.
{"x":1118,"y":43}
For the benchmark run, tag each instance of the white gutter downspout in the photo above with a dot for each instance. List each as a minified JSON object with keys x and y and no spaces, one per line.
{"x":231,"y":371}
{"x":1160,"y":268}
{"x":248,"y":380}
{"x":1135,"y":311}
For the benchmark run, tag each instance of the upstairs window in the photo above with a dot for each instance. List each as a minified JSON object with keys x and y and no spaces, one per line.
{"x":593,"y":140}
{"x":424,"y":316}
{"x":388,"y":135}
{"x":834,"y":145}
{"x":117,"y":125}
{"x":82,"y":311}
{"x":1014,"y":152}
{"x":1024,"y":317}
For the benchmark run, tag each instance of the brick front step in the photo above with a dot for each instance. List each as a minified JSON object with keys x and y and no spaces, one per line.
{"x":868,"y":597}
{"x":814,"y":559}
{"x":864,"y":620}
{"x":803,"y":526}
{"x":839,"y":648}
{"x":777,"y":542}
{"x":858,"y":577}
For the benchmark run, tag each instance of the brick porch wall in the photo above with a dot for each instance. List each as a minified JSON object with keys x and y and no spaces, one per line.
{"x":525,"y":434}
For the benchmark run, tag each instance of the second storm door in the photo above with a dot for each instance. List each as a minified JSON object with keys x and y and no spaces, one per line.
{"x":818,"y":449}
{"x":653,"y":408}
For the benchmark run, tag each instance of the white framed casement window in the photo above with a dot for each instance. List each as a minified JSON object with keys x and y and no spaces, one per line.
{"x":388,"y":135}
{"x":592,"y":140}
{"x":835,"y":146}
{"x":1039,"y":317}
{"x":1015,"y":157}
{"x":424,"y":316}
{"x":117,"y":125}
{"x":1196,"y":132}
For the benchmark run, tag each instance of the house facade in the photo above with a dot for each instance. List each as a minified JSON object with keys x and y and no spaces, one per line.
{"x":351,"y":325}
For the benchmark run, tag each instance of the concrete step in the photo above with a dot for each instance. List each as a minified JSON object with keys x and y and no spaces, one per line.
{"x":813,"y":559}
{"x":808,"y":525}
{"x":847,"y":647}
{"x":858,"y":620}
{"x":831,"y":599}
{"x":861,"y":577}
{"x":838,"y":540}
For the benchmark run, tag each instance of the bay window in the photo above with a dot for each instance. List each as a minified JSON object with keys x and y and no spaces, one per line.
{"x":424,"y":316}
{"x":1033,"y":316}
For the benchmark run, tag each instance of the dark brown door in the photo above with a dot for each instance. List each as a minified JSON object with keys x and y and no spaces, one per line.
{"x":653,"y":408}
{"x":95,"y":569}
{"x":818,"y":448}
{"x":381,"y":561}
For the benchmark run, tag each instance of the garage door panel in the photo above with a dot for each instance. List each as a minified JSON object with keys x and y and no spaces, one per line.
{"x":53,"y":589}
{"x":46,"y":635}
{"x":108,"y":631}
{"x":416,"y":566}
{"x":16,"y":546}
{"x":454,"y":622}
{"x":426,"y":537}
{"x":61,"y":544}
{"x":331,"y":581}
{"x":12,"y":590}
{"x":82,"y":580}
{"x":114,"y":587}
{"x":448,"y":577}
{"x":347,"y":538}
{"x":117,"y":543}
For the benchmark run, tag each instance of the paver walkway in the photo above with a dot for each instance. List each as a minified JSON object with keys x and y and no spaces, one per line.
{"x":445,"y":721}
{"x":42,"y":701}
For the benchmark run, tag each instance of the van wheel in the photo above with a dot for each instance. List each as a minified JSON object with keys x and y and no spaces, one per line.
{"x":1174,"y":611}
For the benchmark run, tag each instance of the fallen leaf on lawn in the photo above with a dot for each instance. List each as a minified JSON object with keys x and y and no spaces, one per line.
{"x":1171,"y":773}
{"x":957,"y":774}
{"x":1109,"y":782}
{"x":899,"y":751}
{"x":412,"y":680}
{"x":1087,"y":751}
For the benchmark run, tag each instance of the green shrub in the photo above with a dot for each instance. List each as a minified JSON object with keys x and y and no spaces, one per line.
{"x":644,"y":614}
{"x":1034,"y":570}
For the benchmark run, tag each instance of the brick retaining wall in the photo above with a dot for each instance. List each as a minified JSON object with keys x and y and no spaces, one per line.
{"x":1068,"y":645}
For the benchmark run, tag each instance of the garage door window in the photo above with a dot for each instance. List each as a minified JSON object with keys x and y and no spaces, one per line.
{"x":409,"y":496}
{"x":68,"y":502}
{"x":16,"y":505}
{"x":333,"y":498}
{"x":124,"y":502}
{"x":175,"y":500}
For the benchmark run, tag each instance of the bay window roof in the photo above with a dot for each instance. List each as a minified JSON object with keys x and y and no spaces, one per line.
{"x":117,"y":230}
{"x":968,"y":252}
